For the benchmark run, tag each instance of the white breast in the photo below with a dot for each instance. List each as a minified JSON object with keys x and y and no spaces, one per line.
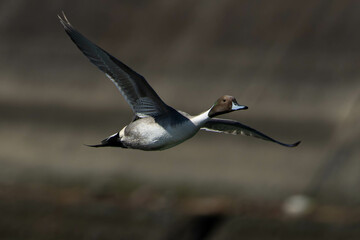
{"x":146,"y":134}
{"x":152,"y":136}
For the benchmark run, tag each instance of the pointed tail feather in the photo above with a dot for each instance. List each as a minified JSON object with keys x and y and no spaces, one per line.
{"x":112,"y":141}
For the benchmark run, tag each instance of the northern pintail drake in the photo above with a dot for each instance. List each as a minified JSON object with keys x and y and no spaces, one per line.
{"x":156,"y":126}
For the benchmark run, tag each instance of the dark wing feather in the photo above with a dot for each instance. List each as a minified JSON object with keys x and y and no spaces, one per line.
{"x":236,"y":128}
{"x":135,"y":89}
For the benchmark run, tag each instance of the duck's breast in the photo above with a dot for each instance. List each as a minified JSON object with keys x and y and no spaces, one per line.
{"x":148,"y":134}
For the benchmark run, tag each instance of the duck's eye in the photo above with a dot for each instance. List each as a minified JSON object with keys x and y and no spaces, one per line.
{"x":224,"y":100}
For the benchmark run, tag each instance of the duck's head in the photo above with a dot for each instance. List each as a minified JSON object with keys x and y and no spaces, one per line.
{"x":225,"y":104}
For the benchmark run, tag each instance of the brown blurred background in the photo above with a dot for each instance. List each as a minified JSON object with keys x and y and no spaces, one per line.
{"x":294,"y":63}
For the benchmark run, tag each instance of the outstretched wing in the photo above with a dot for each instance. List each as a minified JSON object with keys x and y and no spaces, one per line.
{"x":236,"y":128}
{"x":136,"y":90}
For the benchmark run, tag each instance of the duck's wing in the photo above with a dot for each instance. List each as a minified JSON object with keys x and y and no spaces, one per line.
{"x":236,"y":128}
{"x":136,"y":90}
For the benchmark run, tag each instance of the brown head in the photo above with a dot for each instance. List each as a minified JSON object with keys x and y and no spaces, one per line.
{"x":225,"y":104}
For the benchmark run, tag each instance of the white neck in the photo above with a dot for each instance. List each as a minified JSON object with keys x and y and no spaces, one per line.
{"x":201,"y":119}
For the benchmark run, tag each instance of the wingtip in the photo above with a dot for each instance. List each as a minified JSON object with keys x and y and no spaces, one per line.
{"x":64,"y":16}
{"x":294,"y":144}
{"x":63,"y":20}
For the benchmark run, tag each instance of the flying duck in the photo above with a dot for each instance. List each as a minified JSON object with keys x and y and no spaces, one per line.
{"x":156,"y":126}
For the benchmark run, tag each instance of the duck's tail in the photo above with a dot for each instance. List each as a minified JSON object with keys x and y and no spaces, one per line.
{"x":112,"y":141}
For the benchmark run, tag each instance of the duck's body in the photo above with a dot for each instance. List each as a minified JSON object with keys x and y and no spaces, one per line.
{"x":158,"y":133}
{"x":156,"y":126}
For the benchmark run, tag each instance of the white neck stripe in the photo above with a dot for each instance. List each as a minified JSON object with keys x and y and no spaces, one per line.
{"x":200,"y":119}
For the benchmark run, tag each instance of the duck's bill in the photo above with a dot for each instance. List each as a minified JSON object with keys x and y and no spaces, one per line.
{"x":236,"y":107}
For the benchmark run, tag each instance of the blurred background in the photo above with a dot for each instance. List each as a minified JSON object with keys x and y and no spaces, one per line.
{"x":294,"y":63}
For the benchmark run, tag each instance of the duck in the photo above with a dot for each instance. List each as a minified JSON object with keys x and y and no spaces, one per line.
{"x":156,"y":125}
